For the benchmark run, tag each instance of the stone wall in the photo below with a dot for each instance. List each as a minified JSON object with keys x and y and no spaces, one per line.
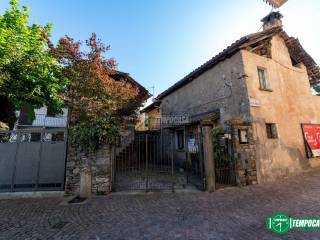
{"x":101,"y":167}
{"x":245,"y":157}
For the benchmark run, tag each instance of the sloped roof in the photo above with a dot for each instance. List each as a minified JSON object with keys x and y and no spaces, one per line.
{"x":298,"y":54}
{"x":151,"y":107}
{"x":143,"y":92}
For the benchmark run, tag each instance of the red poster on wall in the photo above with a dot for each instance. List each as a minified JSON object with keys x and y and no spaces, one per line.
{"x":312,"y":137}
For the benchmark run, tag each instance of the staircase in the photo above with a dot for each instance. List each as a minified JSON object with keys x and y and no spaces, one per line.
{"x":126,"y":139}
{"x":126,"y":152}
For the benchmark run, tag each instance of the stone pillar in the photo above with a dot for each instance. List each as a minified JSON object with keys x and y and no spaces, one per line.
{"x":245,"y":156}
{"x":208,"y":155}
{"x":88,"y":173}
{"x":85,"y":178}
{"x":85,"y":184}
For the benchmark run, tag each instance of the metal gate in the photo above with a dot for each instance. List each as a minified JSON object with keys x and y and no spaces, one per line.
{"x":195,"y":166}
{"x":32,"y":160}
{"x":146,"y":163}
{"x":224,"y":160}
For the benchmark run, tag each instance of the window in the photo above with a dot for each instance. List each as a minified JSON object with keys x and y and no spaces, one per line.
{"x":50,"y":113}
{"x":25,"y":117}
{"x":271,"y":130}
{"x":180,"y":139}
{"x":263,"y":79}
{"x":146,"y":121}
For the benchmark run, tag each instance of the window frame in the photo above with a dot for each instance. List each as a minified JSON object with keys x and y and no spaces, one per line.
{"x":272,"y":131}
{"x":263,"y":82}
{"x":50,"y":113}
{"x":183,"y":140}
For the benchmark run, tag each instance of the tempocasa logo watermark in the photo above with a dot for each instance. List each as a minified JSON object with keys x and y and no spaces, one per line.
{"x":280,"y":223}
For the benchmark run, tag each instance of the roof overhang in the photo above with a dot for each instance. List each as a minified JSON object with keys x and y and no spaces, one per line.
{"x":210,"y":115}
{"x":151,"y":107}
{"x":297,"y":53}
{"x":143,"y":92}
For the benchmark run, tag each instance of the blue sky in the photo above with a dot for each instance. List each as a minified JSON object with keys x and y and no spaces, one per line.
{"x":160,"y":41}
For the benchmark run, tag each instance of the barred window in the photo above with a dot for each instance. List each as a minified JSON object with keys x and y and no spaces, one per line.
{"x":180,"y":139}
{"x":271,"y":129}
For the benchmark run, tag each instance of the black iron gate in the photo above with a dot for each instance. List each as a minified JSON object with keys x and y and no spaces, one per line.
{"x":145,"y":163}
{"x":224,"y":160}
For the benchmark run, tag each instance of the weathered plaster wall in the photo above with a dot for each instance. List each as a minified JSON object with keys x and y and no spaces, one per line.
{"x":155,"y":113}
{"x":153,"y":116}
{"x":290,"y":104}
{"x":209,"y":92}
{"x":140,"y":126}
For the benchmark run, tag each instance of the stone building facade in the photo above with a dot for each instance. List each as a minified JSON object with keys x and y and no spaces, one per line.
{"x":257,"y":92}
{"x":287,"y":103}
{"x":245,"y":156}
{"x":257,"y":86}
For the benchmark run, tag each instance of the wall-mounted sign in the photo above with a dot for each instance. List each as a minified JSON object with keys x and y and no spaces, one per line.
{"x":243,"y":136}
{"x":312,"y":137}
{"x":254,"y":102}
{"x":175,"y":120}
{"x":192,"y":146}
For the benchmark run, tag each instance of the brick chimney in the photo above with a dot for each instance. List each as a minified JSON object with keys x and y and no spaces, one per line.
{"x":272,"y":20}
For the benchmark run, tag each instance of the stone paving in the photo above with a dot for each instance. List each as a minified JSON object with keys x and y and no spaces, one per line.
{"x":233,"y":213}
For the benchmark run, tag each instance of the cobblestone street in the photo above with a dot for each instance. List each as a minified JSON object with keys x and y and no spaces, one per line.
{"x":234,"y":213}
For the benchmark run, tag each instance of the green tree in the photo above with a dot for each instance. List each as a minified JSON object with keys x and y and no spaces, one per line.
{"x":97,"y":102}
{"x":317,"y":88}
{"x":29,"y":75}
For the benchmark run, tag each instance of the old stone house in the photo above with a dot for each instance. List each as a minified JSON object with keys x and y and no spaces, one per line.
{"x":258,"y":92}
{"x":101,"y":162}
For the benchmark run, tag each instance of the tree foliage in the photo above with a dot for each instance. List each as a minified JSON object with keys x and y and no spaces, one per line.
{"x":29,"y":74}
{"x":317,"y":89}
{"x":95,"y":99}
{"x":3,"y":127}
{"x":34,"y":73}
